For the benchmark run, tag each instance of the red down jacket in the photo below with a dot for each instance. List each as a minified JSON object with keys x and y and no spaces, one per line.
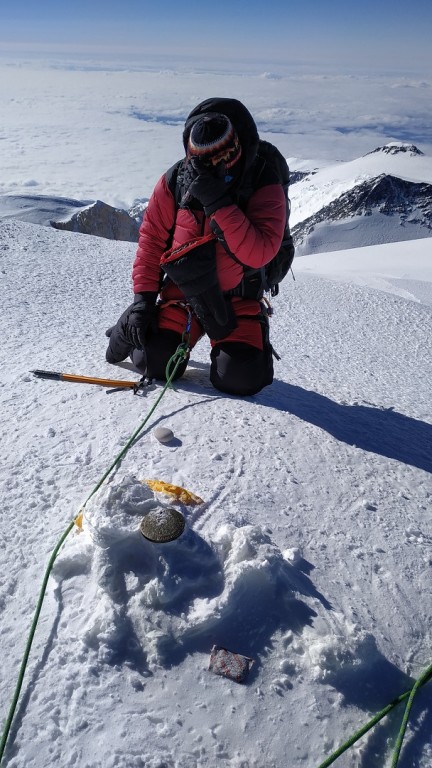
{"x":254,"y":236}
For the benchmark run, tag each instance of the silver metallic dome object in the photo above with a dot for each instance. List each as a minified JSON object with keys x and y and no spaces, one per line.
{"x":162,"y":524}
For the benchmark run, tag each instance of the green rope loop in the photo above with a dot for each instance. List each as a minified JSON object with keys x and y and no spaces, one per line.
{"x":179,"y":355}
{"x":401,"y":735}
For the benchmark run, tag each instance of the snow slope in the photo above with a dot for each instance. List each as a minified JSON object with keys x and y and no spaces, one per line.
{"x":326,"y":184}
{"x":311,"y":552}
{"x":383,"y":197}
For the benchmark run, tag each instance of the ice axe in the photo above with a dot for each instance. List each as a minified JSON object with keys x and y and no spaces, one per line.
{"x":136,"y":386}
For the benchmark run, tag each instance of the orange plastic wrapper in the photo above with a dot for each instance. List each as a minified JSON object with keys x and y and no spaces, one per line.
{"x":175,"y":492}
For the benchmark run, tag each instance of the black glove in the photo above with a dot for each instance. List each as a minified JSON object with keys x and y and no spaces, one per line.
{"x":142,"y":318}
{"x":186,"y":176}
{"x":210,"y":187}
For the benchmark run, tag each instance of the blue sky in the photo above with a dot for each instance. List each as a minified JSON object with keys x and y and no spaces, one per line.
{"x":383,"y":31}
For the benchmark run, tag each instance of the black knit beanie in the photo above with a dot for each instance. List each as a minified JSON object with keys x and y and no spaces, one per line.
{"x":213,"y":139}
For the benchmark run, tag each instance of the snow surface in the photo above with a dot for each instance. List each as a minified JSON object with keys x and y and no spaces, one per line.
{"x":311,"y":553}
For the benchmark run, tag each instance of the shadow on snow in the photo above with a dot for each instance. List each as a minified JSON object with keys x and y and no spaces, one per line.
{"x":379,"y":430}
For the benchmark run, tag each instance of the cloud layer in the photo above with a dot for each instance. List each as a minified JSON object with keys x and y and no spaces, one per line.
{"x":88,"y":129}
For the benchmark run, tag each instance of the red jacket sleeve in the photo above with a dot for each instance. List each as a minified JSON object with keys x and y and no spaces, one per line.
{"x":255,"y":237}
{"x":155,"y":233}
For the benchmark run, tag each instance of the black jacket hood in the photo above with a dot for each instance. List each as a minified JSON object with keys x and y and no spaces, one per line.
{"x":241,"y":119}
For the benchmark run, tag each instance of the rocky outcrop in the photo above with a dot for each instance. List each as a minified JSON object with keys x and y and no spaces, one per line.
{"x":40,"y":209}
{"x":137,"y":210}
{"x":396,"y":148}
{"x":85,"y":216}
{"x":296,"y":176}
{"x":101,"y":220}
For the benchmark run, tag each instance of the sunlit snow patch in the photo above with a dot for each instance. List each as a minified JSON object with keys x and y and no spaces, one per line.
{"x":114,"y":514}
{"x":153,"y":604}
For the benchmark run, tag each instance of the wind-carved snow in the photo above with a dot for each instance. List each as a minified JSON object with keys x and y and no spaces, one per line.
{"x":180,"y":597}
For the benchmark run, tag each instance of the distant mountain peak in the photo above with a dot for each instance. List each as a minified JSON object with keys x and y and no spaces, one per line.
{"x":407,"y":203}
{"x":395,"y":147}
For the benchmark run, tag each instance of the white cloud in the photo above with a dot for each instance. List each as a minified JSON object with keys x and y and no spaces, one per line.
{"x":87,"y":128}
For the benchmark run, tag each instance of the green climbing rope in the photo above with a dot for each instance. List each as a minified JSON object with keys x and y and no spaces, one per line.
{"x":401,"y":735}
{"x":179,"y":355}
{"x":18,"y":687}
{"x":424,"y":678}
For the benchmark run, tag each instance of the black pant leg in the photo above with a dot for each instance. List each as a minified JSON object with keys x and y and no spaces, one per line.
{"x":159,"y":349}
{"x":152,"y":360}
{"x":241,"y":369}
{"x":119,"y":348}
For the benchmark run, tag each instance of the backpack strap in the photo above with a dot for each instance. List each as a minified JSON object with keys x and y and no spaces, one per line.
{"x":178,"y":180}
{"x":254,"y":282}
{"x":174,"y":180}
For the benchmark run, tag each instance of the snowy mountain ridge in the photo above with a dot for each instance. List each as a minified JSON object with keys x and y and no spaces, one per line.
{"x":395,"y":148}
{"x":84,"y":216}
{"x":398,"y":210}
{"x":385,"y":196}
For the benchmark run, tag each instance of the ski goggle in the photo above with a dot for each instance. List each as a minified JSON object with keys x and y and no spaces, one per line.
{"x":228,"y":155}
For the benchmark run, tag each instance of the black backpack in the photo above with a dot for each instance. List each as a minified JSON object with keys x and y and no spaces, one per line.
{"x":269,"y":166}
{"x":269,"y":159}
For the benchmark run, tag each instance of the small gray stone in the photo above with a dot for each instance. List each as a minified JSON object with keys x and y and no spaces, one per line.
{"x":163,"y":434}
